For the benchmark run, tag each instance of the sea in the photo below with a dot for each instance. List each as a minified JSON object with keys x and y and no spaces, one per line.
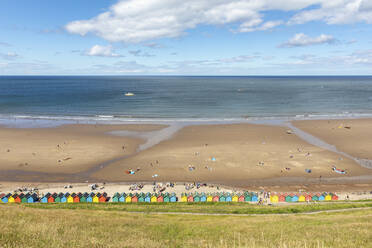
{"x":92,"y":99}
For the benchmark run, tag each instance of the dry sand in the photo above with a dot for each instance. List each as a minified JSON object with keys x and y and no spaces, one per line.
{"x":353,"y":136}
{"x":247,"y":156}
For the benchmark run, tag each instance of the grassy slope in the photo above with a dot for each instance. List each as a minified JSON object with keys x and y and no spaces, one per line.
{"x":22,"y":226}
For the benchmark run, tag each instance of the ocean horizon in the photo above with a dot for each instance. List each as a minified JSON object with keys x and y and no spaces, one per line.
{"x":183,"y":98}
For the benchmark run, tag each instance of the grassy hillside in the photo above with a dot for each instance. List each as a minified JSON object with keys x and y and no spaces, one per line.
{"x":84,"y":225}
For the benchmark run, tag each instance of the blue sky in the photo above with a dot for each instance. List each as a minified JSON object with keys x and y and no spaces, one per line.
{"x":194,"y":37}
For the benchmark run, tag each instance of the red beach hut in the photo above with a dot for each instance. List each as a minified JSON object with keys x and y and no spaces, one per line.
{"x":241,"y":198}
{"x":160,"y":198}
{"x":216,"y":198}
{"x":190,"y":198}
{"x":282,"y":197}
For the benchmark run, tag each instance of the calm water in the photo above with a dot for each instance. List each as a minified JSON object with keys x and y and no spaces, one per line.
{"x":183,"y":97}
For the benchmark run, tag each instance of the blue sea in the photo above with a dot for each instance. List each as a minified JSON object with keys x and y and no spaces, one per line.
{"x":102,"y":98}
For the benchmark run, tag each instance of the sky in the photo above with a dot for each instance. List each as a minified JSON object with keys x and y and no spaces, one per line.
{"x":193,"y":37}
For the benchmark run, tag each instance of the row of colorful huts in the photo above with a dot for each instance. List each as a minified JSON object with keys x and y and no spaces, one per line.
{"x":161,"y":197}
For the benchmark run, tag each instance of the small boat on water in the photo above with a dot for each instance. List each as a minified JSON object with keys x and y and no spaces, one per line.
{"x":129,"y":94}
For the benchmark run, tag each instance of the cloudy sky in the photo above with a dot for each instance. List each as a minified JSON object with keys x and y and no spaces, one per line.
{"x":193,"y":37}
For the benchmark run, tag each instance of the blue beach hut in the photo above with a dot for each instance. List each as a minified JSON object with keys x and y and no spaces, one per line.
{"x":5,"y":198}
{"x":203,"y":198}
{"x":295,"y":198}
{"x":228,"y":198}
{"x":254,"y":198}
{"x":122,"y":197}
{"x":147,"y":198}
{"x":90,"y":197}
{"x":321,"y":198}
{"x":173,"y":198}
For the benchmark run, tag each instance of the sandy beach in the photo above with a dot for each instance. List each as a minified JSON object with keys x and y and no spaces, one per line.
{"x":245,"y":156}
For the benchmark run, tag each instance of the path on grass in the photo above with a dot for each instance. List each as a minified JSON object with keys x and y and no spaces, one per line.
{"x":274,"y":214}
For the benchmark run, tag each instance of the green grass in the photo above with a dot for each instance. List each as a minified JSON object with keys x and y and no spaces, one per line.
{"x":212,"y":208}
{"x":91,"y":225}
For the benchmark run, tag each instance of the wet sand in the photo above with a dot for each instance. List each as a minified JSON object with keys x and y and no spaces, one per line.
{"x":246,"y":156}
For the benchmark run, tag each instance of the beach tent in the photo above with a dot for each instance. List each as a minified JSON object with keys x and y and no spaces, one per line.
{"x":183,"y":198}
{"x":254,"y":198}
{"x":301,"y":198}
{"x":190,"y":198}
{"x":315,"y":198}
{"x":328,"y":197}
{"x":321,"y":198}
{"x":288,"y":198}
{"x":295,"y":198}
{"x":196,"y":198}
{"x":235,"y":198}
{"x":209,"y":198}
{"x":274,"y":198}
{"x":282,"y":198}
{"x":154,"y":198}
{"x":241,"y":198}
{"x":203,"y":198}
{"x":173,"y":197}
{"x":216,"y":198}
{"x":160,"y":198}
{"x":135,"y":198}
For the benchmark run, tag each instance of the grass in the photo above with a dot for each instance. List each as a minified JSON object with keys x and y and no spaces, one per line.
{"x":112,"y":225}
{"x":210,"y":207}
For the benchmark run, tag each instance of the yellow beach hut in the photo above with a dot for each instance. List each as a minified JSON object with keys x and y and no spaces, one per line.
{"x":128,"y":198}
{"x":70,"y":199}
{"x":328,"y":197}
{"x":209,"y":198}
{"x":11,"y":199}
{"x":154,"y":198}
{"x":96,"y":199}
{"x":302,"y":198}
{"x":235,"y":198}
{"x":274,"y":198}
{"x":184,"y":198}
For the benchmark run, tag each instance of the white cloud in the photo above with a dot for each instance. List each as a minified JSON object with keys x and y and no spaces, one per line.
{"x":141,"y":20}
{"x":9,"y":55}
{"x":301,"y":39}
{"x":102,"y":51}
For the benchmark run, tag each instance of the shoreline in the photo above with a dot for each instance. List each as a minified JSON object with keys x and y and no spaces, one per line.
{"x":171,"y":133}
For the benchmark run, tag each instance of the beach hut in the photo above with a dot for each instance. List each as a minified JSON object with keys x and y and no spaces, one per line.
{"x":216,"y":198}
{"x":76,"y":198}
{"x":190,"y":198}
{"x":154,"y":198}
{"x":50,"y":199}
{"x":24,"y":197}
{"x":183,"y":198}
{"x":141,"y":197}
{"x":301,"y":198}
{"x":328,"y":197}
{"x":70,"y":199}
{"x":274,"y":198}
{"x":160,"y":198}
{"x":128,"y":198}
{"x":228,"y":197}
{"x":241,"y":198}
{"x":203,"y":198}
{"x":148,"y":198}
{"x":166,"y":197}
{"x":315,"y":198}
{"x":44,"y":199}
{"x":16,"y":198}
{"x":321,"y":198}
{"x":209,"y":198}
{"x":281,"y":198}
{"x":308,"y":197}
{"x":5,"y":198}
{"x":247,"y":197}
{"x":95,"y":199}
{"x":173,"y":197}
{"x":90,"y":197}
{"x":32,"y":198}
{"x":135,"y":198}
{"x":295,"y":198}
{"x":64,"y":198}
{"x":288,"y":198}
{"x":254,"y":198}
{"x":197,"y":198}
{"x":1,"y":197}
{"x":102,"y":197}
{"x":334,"y":197}
{"x":122,"y":197}
{"x":84,"y":197}
{"x":235,"y":198}
{"x":11,"y":199}
{"x":58,"y":198}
